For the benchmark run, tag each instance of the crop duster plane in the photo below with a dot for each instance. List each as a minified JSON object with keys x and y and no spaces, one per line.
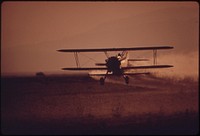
{"x":117,"y":65}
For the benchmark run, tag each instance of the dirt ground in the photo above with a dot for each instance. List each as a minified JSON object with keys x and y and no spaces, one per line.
{"x":79,"y":105}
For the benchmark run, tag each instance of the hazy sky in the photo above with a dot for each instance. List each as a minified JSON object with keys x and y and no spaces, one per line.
{"x":33,"y":31}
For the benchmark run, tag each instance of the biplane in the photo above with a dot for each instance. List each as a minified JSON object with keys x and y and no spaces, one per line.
{"x":117,"y":65}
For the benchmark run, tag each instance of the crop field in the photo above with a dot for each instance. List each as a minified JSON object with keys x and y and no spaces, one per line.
{"x":80,"y":105}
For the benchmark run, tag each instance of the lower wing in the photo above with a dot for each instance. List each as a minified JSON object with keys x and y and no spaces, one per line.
{"x":91,"y":68}
{"x":147,"y":67}
{"x":123,"y":68}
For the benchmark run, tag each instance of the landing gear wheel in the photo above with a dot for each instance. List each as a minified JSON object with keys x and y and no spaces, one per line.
{"x":126,"y":79}
{"x":102,"y":81}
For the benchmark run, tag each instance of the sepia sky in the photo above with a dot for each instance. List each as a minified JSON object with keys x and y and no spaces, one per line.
{"x":31,"y":32}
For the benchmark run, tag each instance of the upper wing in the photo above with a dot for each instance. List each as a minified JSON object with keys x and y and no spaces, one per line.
{"x":87,"y":68}
{"x":144,"y":67}
{"x":116,"y":49}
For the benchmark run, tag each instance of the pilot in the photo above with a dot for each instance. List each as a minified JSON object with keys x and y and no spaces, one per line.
{"x":119,"y":56}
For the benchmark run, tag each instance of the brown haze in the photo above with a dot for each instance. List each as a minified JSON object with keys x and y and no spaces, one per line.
{"x":76,"y":103}
{"x":33,"y":31}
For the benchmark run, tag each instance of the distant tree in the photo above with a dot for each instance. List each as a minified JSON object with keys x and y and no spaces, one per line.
{"x":40,"y":74}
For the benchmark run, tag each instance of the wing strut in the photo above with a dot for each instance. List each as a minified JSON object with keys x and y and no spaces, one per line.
{"x":106,"y":54}
{"x":76,"y":59}
{"x":154,"y":56}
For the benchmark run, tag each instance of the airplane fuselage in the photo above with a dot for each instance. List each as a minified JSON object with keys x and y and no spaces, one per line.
{"x":114,"y":65}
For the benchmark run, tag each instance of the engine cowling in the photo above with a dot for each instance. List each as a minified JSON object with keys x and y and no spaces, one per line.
{"x":113,"y":65}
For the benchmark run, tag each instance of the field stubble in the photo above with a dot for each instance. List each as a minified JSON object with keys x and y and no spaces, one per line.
{"x":65,"y":104}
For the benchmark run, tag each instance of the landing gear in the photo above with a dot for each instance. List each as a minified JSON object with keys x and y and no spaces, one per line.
{"x":126,"y":78}
{"x":102,"y":81}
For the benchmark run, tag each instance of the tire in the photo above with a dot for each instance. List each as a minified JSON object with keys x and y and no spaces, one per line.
{"x":127,"y":79}
{"x":102,"y":81}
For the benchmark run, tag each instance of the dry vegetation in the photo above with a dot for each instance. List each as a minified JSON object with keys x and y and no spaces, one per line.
{"x":79,"y":105}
